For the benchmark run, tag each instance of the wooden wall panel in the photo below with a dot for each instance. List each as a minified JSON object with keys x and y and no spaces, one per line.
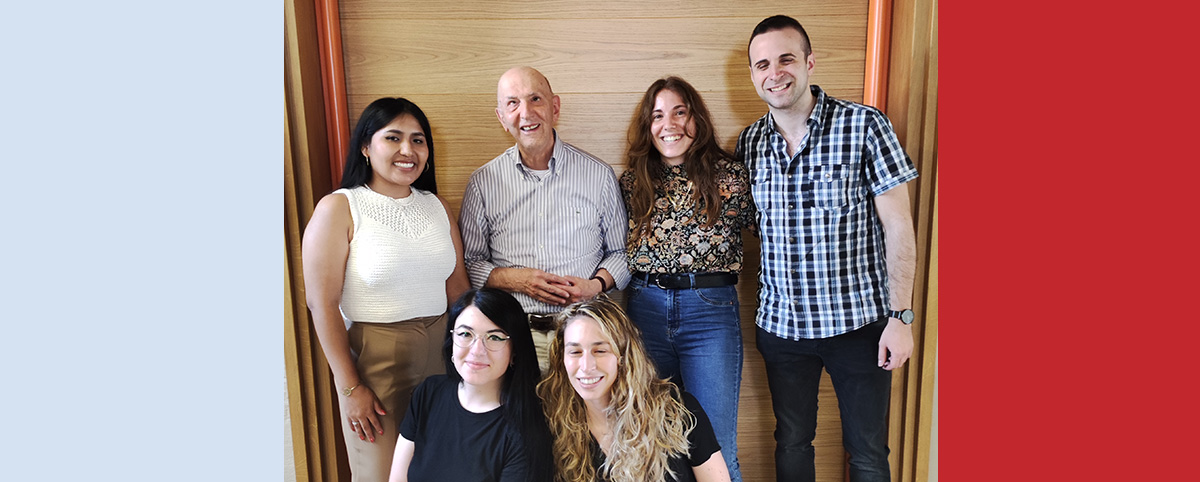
{"x":577,"y":55}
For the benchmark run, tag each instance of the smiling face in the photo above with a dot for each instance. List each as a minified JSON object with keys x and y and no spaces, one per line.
{"x":398,"y":153}
{"x":780,"y":69}
{"x":477,"y":365}
{"x":591,"y":361}
{"x":528,"y":110}
{"x":672,"y":127}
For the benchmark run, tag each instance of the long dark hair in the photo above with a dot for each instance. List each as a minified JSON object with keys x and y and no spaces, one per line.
{"x":376,"y":116}
{"x":700,"y":160}
{"x":520,"y":404}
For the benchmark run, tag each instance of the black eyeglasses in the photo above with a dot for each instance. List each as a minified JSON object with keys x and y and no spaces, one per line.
{"x":465,"y":337}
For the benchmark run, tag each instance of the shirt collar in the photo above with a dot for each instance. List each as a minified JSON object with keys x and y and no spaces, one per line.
{"x":818,"y":112}
{"x":671,"y":171}
{"x":814,"y":118}
{"x":558,"y":152}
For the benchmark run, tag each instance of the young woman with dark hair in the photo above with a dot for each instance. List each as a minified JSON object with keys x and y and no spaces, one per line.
{"x":382,"y":258}
{"x":359,"y":170}
{"x":482,"y":420}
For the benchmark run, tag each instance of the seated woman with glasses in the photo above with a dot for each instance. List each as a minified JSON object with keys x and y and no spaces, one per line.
{"x":482,"y":420}
{"x":612,"y":417}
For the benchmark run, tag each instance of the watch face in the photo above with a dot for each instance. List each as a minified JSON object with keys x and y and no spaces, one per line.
{"x":907,"y":316}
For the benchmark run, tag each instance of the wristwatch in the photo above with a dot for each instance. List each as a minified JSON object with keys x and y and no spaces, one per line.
{"x":906,"y":316}
{"x":348,"y":391}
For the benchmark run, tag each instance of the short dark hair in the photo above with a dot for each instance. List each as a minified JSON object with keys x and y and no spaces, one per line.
{"x":779,"y":22}
{"x":377,"y":115}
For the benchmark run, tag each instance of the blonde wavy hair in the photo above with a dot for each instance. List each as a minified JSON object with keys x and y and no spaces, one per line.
{"x":646,"y":415}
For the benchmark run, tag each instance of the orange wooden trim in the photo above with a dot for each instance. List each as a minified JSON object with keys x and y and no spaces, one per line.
{"x":879,"y":36}
{"x":333,"y":80}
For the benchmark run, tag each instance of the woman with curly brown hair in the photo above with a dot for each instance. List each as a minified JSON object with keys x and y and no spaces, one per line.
{"x":688,"y":201}
{"x":612,"y":417}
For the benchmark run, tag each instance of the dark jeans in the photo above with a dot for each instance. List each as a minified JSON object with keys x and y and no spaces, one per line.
{"x":694,"y":336}
{"x":862,"y":388}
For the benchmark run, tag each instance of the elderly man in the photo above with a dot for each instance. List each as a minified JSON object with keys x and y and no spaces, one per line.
{"x":544,"y":220}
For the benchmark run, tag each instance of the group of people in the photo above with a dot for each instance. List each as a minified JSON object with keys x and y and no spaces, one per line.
{"x":482,"y":347}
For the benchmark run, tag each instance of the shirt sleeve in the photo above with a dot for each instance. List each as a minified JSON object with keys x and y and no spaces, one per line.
{"x":410,"y":427}
{"x":889,"y":165}
{"x":702,"y":441}
{"x":613,"y":231}
{"x":516,"y":464}
{"x":741,"y":149}
{"x":741,"y":199}
{"x":475,"y":230}
{"x":626,"y":182}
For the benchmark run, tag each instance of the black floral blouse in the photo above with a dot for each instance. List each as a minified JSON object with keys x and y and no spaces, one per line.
{"x":678,"y":242}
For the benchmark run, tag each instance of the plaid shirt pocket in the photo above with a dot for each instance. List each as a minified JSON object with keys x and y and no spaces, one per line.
{"x":827,"y":186}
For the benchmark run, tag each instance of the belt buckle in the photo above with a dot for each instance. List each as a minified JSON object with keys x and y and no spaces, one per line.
{"x":543,"y":322}
{"x":658,"y":281}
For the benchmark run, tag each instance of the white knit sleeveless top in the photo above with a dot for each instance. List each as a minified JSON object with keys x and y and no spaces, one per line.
{"x":400,"y":257}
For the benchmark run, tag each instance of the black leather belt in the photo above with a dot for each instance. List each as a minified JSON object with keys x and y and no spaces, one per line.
{"x":541,"y":322}
{"x":677,"y":281}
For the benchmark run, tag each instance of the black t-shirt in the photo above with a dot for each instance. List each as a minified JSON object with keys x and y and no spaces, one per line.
{"x":454,"y":444}
{"x":702,"y":443}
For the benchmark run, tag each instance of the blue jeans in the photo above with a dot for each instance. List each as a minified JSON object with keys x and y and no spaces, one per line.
{"x":694,"y":337}
{"x":862,"y":388}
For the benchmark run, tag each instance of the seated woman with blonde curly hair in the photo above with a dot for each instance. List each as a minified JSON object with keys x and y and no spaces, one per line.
{"x":612,"y":417}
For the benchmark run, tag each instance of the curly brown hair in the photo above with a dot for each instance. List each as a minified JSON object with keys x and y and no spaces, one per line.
{"x":648,"y":420}
{"x":700,"y":160}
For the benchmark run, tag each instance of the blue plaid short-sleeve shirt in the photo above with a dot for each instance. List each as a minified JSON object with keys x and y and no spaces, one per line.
{"x":824,"y":269}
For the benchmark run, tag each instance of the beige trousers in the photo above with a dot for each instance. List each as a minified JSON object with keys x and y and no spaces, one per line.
{"x":392,"y":359}
{"x":541,"y":344}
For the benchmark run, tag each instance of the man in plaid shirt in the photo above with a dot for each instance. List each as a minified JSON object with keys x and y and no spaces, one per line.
{"x":838,"y":254}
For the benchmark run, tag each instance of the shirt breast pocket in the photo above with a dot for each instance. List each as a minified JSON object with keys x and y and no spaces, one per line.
{"x":576,"y":226}
{"x":829,"y":186}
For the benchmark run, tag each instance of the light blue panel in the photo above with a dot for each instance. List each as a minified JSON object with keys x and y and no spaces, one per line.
{"x":141,"y":148}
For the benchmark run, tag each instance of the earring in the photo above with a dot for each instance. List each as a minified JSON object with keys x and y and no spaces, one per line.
{"x":368,"y":159}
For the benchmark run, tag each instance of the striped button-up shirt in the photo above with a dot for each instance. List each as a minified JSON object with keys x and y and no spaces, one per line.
{"x":569,"y":223}
{"x":824,"y":268}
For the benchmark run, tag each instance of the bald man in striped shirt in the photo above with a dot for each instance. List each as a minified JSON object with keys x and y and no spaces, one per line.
{"x":544,"y":220}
